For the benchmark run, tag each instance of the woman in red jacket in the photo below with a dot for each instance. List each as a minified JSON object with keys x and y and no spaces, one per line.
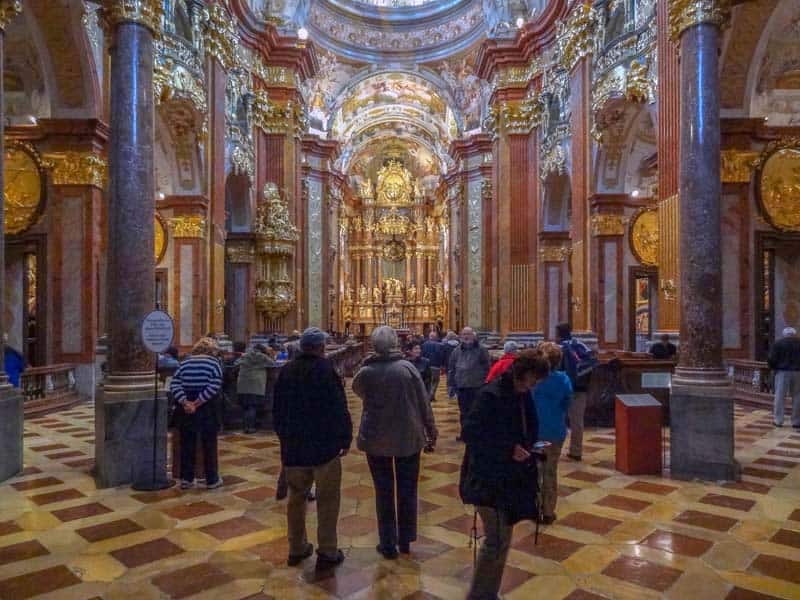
{"x":504,"y":362}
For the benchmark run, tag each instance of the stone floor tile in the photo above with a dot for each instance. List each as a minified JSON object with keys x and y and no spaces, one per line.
{"x":642,"y":572}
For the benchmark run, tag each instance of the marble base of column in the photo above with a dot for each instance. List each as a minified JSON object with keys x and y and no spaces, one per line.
{"x":702,"y":426}
{"x":124,"y":427}
{"x":11,"y":430}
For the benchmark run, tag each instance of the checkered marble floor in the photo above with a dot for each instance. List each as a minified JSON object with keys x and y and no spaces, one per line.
{"x":616,"y":536}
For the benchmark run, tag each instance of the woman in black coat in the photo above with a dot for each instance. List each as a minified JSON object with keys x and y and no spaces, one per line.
{"x":498,"y":475}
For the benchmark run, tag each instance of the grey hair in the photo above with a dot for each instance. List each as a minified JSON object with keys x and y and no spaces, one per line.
{"x":384,"y":339}
{"x":510,"y":346}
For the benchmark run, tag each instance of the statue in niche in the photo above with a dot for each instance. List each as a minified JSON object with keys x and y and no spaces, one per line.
{"x":377,"y":296}
{"x":427,"y":295}
{"x":430,"y":225}
{"x":348,"y":295}
{"x":365,"y":189}
{"x":363,"y":294}
{"x":439,"y":293}
{"x":411,"y":294}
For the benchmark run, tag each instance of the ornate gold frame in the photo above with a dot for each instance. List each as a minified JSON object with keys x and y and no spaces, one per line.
{"x":42,"y":167}
{"x":632,"y":241}
{"x":772,"y":149}
{"x":160,"y":222}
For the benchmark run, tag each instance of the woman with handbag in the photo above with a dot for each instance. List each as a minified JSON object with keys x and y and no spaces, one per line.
{"x":498,"y":475}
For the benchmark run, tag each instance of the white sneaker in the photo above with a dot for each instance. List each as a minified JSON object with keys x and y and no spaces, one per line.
{"x":186,"y":485}
{"x":217,"y":484}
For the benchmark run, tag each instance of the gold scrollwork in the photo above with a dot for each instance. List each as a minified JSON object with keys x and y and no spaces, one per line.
{"x":159,"y":238}
{"x":241,"y":252}
{"x":22,"y":189}
{"x":778,"y":188}
{"x":554,"y":253}
{"x":143,"y":12}
{"x":220,"y":35}
{"x":8,"y":10}
{"x":737,"y":166}
{"x":188,"y":226}
{"x":684,"y":14}
{"x":274,"y":117}
{"x":608,"y":225}
{"x":78,"y":168}
{"x":575,"y":35}
{"x":521,"y":116}
{"x":644,"y":236}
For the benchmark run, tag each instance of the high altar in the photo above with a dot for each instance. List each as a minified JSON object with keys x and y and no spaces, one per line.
{"x":395,"y":237}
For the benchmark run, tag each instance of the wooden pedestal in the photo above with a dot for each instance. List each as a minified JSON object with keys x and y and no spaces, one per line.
{"x":639,"y":444}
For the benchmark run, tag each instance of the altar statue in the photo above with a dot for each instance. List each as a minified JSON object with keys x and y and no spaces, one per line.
{"x":430,"y":225}
{"x":427,"y":295}
{"x":363,"y":294}
{"x":397,"y":287}
{"x":348,"y":295}
{"x":439,"y":295}
{"x":377,"y":297}
{"x":411,"y":294}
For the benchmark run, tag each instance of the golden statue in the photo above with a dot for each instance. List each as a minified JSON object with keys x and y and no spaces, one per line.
{"x":377,"y":297}
{"x":439,"y":293}
{"x":363,"y":294}
{"x":427,"y":296}
{"x":365,"y":189}
{"x":411,"y":295}
{"x":395,"y":187}
{"x":348,"y":295}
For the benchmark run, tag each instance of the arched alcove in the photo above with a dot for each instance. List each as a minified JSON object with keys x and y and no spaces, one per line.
{"x":238,"y":208}
{"x":556,"y":202}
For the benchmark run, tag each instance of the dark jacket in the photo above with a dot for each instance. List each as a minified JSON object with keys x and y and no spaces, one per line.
{"x":434,"y":351}
{"x":785,"y":354}
{"x":662,"y":351}
{"x":423,"y":366}
{"x":310,"y":412}
{"x":469,"y":366}
{"x":397,"y":419}
{"x":489,"y":474}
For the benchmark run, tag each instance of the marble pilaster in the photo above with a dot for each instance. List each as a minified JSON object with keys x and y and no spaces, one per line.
{"x":702,"y":406}
{"x":125,"y":411}
{"x":11,"y":414}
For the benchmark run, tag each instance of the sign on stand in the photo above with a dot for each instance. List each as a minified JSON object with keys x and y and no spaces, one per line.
{"x":158,"y":331}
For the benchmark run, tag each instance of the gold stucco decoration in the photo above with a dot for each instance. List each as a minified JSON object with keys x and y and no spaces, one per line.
{"x":608,"y":225}
{"x":220,"y":35}
{"x":684,"y":14}
{"x":8,"y":10}
{"x":78,"y":168}
{"x":189,"y":226}
{"x":554,"y":253}
{"x":143,"y":12}
{"x":644,"y":237}
{"x":737,"y":166}
{"x":395,"y":187}
{"x":779,"y":185}
{"x":22,"y":187}
{"x":575,"y":36}
{"x":159,"y":239}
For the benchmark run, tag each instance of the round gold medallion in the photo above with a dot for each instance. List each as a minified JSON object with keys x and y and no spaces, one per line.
{"x":22,"y":190}
{"x":779,"y":189}
{"x":644,"y":237}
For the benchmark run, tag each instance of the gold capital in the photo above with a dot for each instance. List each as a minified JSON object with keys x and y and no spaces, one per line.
{"x":191,"y":226}
{"x":608,"y":225}
{"x":8,"y":10}
{"x":684,"y":14}
{"x":78,"y":168}
{"x":143,"y":12}
{"x":737,"y":166}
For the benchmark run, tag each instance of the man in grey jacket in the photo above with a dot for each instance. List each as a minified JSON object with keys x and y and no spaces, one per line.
{"x":467,"y":370}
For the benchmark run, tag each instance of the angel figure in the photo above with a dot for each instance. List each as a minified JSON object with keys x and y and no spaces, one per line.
{"x":427,"y":296}
{"x":363,"y":294}
{"x":376,"y":295}
{"x":411,"y":295}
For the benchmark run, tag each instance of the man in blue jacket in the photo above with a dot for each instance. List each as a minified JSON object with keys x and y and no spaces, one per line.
{"x":434,"y":351}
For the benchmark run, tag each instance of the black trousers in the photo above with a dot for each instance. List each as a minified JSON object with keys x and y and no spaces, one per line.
{"x":202,"y":424}
{"x":250,"y":403}
{"x":395,"y":480}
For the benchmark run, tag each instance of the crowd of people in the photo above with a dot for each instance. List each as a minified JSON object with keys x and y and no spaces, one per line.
{"x":505,"y":410}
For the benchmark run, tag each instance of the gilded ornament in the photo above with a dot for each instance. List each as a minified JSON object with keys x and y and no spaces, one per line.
{"x":516,"y":76}
{"x":575,"y":35}
{"x":239,"y":252}
{"x":221,"y":37}
{"x":637,"y":83}
{"x":553,"y":160}
{"x":143,"y":12}
{"x":684,"y":14}
{"x":668,"y":289}
{"x":521,"y":116}
{"x":187,"y":226}
{"x":8,"y":10}
{"x":737,"y":166}
{"x":274,"y":117}
{"x":608,"y":225}
{"x":78,"y":168}
{"x":23,"y":187}
{"x":644,"y":237}
{"x":395,"y":186}
{"x":554,"y":253}
{"x":393,"y":223}
{"x":779,"y":185}
{"x":159,"y":238}
{"x":394,"y":251}
{"x":273,"y":224}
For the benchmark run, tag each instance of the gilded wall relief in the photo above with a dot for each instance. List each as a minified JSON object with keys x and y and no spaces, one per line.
{"x":779,"y":186}
{"x":644,"y":237}
{"x":23,"y":188}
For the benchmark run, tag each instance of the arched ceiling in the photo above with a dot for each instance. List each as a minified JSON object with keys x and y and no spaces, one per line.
{"x":410,"y":31}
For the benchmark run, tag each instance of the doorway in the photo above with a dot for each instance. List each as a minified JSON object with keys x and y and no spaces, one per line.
{"x":777,"y":287}
{"x":642,"y":307}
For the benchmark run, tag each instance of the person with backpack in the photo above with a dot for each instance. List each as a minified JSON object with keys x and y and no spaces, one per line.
{"x":577,"y":362}
{"x":499,"y":470}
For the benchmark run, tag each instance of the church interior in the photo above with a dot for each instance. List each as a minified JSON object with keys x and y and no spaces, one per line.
{"x":253,"y":168}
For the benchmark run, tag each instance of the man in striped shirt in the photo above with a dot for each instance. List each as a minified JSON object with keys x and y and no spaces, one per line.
{"x":196,"y":383}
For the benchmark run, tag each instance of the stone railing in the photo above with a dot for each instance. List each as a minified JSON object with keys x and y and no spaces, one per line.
{"x":752,"y":382}
{"x":48,"y":388}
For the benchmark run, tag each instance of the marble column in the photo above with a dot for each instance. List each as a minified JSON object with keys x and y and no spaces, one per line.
{"x":11,"y":412}
{"x":702,"y":443}
{"x":124,"y":411}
